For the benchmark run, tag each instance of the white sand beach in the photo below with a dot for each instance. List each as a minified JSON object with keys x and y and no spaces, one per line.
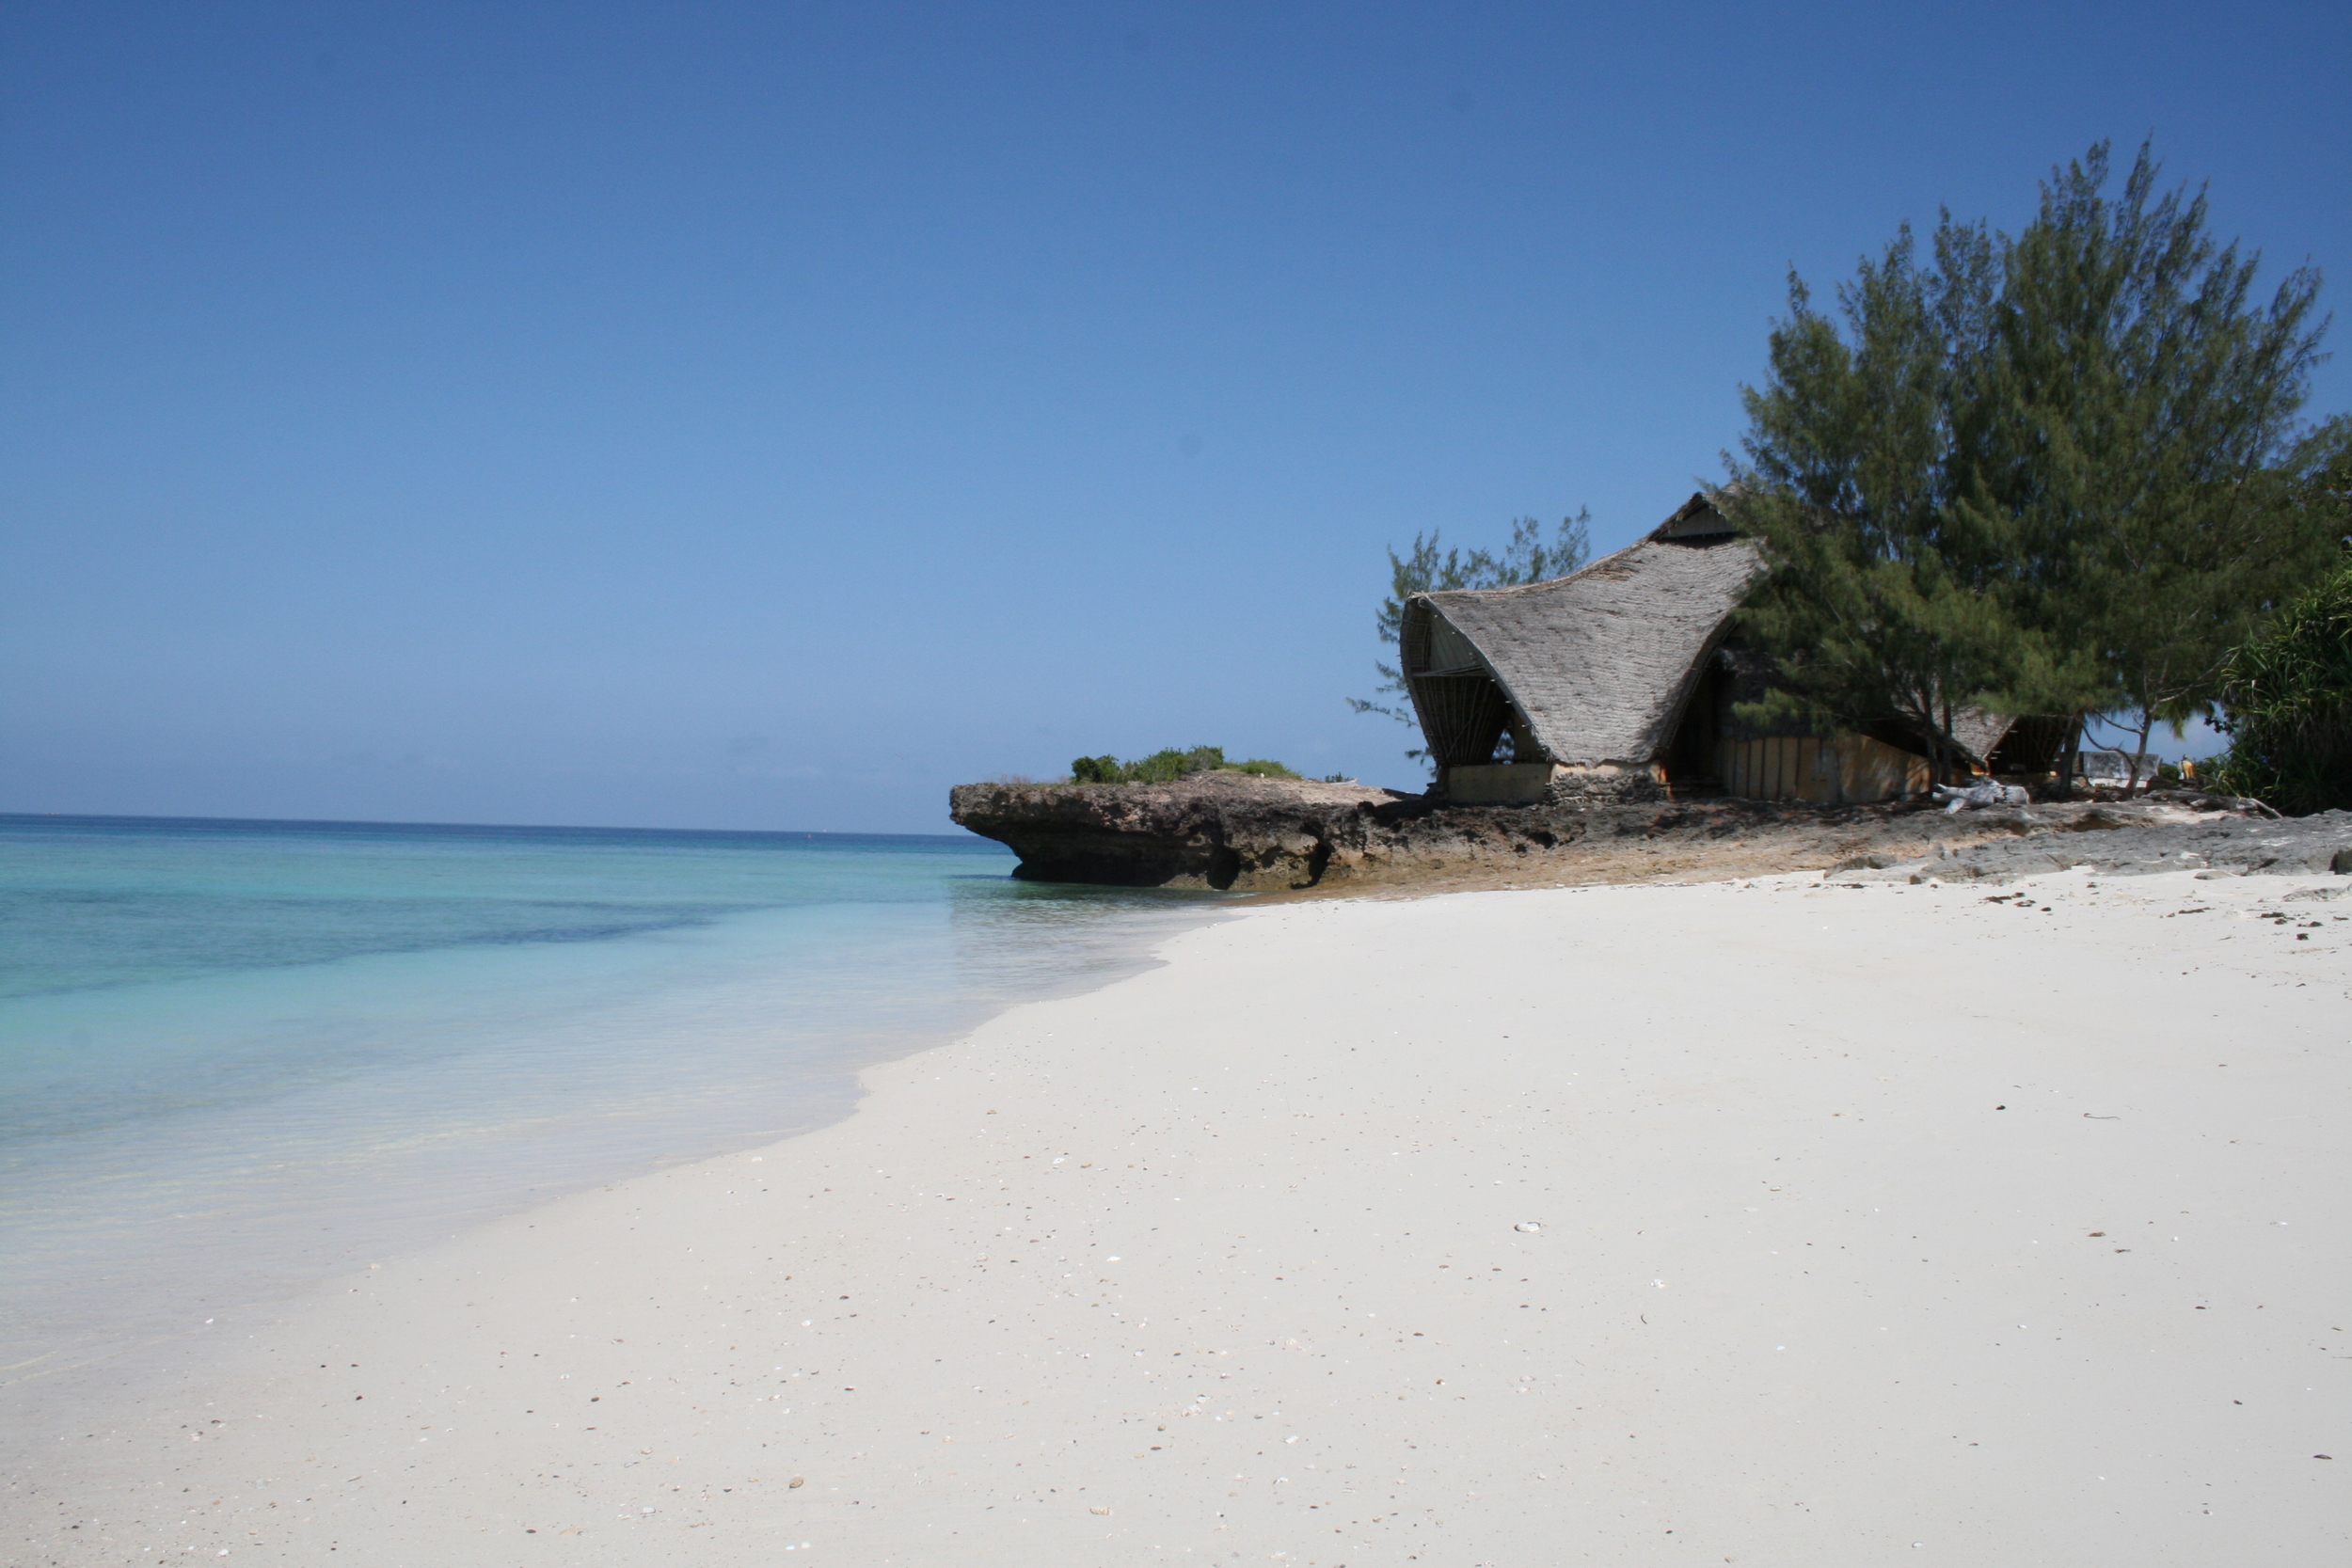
{"x":1766,"y":1224}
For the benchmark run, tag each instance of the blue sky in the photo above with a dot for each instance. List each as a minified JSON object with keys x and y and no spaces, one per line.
{"x":766,"y":416}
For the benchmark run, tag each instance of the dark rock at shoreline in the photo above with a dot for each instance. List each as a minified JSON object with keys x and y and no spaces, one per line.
{"x":1232,"y":830}
{"x":1212,"y":829}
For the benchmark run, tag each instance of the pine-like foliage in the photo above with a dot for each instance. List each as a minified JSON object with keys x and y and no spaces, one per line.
{"x":2050,"y":473}
{"x":2138,"y":446}
{"x":1881,"y":602}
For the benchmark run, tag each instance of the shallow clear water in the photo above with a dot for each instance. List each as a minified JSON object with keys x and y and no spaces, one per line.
{"x":237,"y":1056}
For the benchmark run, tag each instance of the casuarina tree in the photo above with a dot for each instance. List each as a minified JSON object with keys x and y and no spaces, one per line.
{"x":2137,"y":448}
{"x":2046,"y":473}
{"x":1882,"y":601}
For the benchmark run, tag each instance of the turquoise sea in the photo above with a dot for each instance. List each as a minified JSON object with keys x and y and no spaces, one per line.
{"x":236,"y":1058}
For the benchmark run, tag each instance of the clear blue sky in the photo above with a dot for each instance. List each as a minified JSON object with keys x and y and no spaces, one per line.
{"x":764,"y":415}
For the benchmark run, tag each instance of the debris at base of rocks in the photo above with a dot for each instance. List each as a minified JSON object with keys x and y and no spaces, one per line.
{"x":1981,"y":796}
{"x":1863,"y":863}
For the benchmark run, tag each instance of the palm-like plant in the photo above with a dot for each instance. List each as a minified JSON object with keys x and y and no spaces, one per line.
{"x":2288,"y":699}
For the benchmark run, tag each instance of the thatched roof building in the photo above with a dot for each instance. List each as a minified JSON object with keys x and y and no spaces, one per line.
{"x":1619,"y":680}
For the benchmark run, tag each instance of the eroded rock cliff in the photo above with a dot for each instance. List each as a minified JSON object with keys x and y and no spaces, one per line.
{"x":1211,"y":829}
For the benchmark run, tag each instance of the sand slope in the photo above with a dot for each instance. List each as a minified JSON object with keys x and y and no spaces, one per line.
{"x":1878,"y":1224}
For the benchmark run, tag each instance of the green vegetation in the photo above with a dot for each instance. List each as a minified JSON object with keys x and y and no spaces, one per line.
{"x":2053,"y":473}
{"x":1527,"y":559}
{"x":1167,"y":765}
{"x":2288,"y":699}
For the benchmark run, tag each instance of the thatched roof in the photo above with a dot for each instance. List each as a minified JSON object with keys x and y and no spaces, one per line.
{"x":1596,"y":665}
{"x":1979,"y":732}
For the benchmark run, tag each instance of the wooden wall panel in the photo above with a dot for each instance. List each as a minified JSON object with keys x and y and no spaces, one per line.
{"x":1848,"y":768}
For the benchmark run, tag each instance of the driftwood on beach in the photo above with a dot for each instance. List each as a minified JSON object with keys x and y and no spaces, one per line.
{"x":1229,"y":831}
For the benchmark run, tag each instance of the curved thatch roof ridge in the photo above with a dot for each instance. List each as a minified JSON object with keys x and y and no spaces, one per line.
{"x":1979,"y":731}
{"x":1598,"y":662}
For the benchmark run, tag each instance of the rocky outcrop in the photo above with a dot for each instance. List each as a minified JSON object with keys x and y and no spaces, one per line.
{"x":1211,"y":829}
{"x":1233,"y":831}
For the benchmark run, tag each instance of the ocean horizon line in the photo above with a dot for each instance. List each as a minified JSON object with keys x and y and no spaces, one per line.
{"x":280,"y":823}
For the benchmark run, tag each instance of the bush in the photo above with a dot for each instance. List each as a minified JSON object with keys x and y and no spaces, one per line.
{"x":1167,"y":766}
{"x":2287,"y":696}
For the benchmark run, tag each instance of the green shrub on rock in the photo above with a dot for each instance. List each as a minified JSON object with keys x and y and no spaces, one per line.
{"x":1167,"y":765}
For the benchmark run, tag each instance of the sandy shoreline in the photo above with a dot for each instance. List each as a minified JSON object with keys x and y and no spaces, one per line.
{"x":1873,"y":1220}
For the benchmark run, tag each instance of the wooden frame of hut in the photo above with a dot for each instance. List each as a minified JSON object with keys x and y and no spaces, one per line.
{"x":1619,"y":680}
